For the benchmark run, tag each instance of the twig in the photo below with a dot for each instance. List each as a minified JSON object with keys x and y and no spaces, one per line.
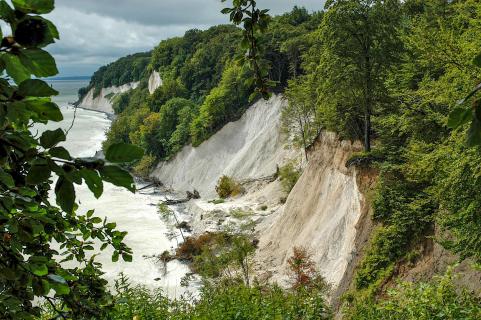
{"x":73,"y":120}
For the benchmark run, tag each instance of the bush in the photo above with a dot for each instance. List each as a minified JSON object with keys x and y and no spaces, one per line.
{"x":439,"y":299}
{"x":228,"y":187}
{"x":289,"y":175}
{"x":144,"y":166}
{"x":406,"y":212}
{"x":259,"y":302}
{"x":220,"y":302}
{"x":193,"y":246}
{"x":303,"y":271}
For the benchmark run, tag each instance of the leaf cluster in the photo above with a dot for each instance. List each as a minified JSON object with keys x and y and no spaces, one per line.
{"x":37,"y":236}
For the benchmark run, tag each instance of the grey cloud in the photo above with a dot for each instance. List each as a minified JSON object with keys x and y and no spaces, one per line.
{"x":176,"y":12}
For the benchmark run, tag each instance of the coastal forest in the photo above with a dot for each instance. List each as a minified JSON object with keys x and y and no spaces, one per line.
{"x":402,"y":78}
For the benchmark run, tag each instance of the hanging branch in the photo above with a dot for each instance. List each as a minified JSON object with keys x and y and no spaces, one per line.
{"x":254,"y":21}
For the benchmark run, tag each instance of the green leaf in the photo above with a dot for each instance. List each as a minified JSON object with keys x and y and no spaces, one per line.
{"x":40,"y":286}
{"x":474,"y":133}
{"x":15,"y":68}
{"x":111,"y":225}
{"x":60,"y":289}
{"x":38,"y":269}
{"x":51,"y":138}
{"x":45,"y":110}
{"x":93,"y":181}
{"x":65,"y":192}
{"x":39,"y":62}
{"x":36,"y":88}
{"x":115,"y":256}
{"x":52,"y":29}
{"x":6,"y":179}
{"x":477,"y":60}
{"x":34,"y":6}
{"x":60,"y":152}
{"x":123,"y":153}
{"x":96,"y":220}
{"x":6,"y":12}
{"x":118,"y":177}
{"x":38,"y":173}
{"x":459,"y":117}
{"x":127,"y":257}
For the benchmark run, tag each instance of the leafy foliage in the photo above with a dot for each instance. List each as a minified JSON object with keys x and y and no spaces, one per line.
{"x":439,"y":299}
{"x":228,"y":187}
{"x":36,"y":236}
{"x":254,"y":21}
{"x":289,"y":175}
{"x":236,"y":301}
{"x":303,"y":272}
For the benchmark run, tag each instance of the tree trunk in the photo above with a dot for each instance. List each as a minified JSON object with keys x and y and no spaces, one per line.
{"x":367,"y":132}
{"x":303,"y":135}
{"x":368,"y":103}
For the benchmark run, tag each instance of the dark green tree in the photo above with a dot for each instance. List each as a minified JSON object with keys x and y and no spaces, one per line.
{"x":361,"y":42}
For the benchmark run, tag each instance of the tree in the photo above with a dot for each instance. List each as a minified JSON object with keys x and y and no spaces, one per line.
{"x":300,"y":118}
{"x":361,"y":43}
{"x":31,"y":266}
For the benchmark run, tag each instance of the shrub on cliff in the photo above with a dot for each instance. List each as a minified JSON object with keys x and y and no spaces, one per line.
{"x":228,"y":187}
{"x":288,"y":176}
{"x":303,"y":271}
{"x":144,"y":166}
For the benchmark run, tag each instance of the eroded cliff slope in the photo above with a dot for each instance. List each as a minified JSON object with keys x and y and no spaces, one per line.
{"x":249,"y":148}
{"x":321,"y":214}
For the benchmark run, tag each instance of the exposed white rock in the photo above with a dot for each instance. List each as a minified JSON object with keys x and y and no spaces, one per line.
{"x":249,"y":148}
{"x":155,"y":81}
{"x":321,"y":214}
{"x":103,"y":102}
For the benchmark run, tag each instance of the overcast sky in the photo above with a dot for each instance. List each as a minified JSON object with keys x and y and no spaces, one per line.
{"x":96,"y":32}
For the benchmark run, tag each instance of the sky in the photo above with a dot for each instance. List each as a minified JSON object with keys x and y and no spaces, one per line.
{"x":96,"y":32}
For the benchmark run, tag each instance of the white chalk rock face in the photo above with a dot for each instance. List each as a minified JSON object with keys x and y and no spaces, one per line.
{"x":155,"y":81}
{"x":103,"y":102}
{"x":321,"y":214}
{"x":249,"y":148}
